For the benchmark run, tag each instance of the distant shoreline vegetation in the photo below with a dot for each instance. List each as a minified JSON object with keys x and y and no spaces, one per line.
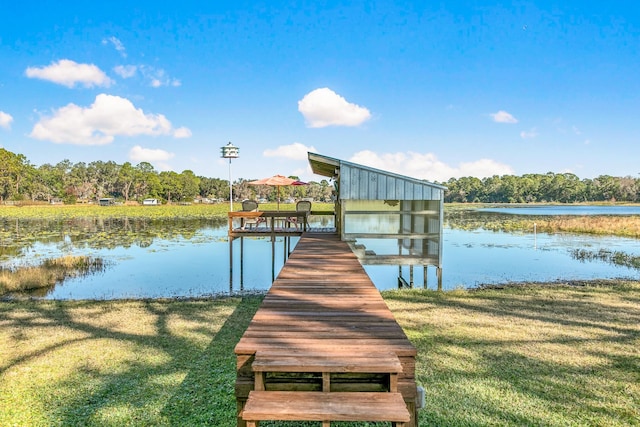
{"x":70,"y":183}
{"x":611,"y":225}
{"x":542,"y":188}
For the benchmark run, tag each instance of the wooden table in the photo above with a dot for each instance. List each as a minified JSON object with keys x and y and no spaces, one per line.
{"x":272,"y":219}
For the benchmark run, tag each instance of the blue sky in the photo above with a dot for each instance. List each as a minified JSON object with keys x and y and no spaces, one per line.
{"x":432,"y":90}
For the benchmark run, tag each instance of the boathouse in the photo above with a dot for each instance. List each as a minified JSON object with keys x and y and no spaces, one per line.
{"x":372,"y":204}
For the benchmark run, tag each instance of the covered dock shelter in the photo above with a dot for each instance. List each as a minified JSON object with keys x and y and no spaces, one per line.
{"x":374,"y":205}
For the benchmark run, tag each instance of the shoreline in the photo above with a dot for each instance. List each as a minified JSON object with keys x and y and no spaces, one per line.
{"x":594,"y":283}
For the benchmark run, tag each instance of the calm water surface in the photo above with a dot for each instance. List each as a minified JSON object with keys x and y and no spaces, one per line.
{"x":195,"y":261}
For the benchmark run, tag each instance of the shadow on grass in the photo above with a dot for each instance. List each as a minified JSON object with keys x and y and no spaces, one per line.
{"x":527,"y":357}
{"x":207,"y":394}
{"x":82,"y":363}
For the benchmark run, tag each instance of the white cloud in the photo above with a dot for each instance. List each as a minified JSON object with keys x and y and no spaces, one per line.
{"x":117,"y":44}
{"x":98,"y":124}
{"x":125,"y":71}
{"x":182,"y":132}
{"x":529,"y":134}
{"x":503,"y":117}
{"x":323,"y":107}
{"x":69,"y":73}
{"x":5,"y":120}
{"x":427,"y":166}
{"x":295,"y":151}
{"x":140,"y":154}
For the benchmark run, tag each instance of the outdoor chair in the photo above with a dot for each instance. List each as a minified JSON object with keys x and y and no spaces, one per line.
{"x":251,"y":206}
{"x":302,"y":206}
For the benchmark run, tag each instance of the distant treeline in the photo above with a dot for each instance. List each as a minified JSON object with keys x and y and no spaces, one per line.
{"x":77,"y":182}
{"x":80,"y":182}
{"x":549,"y":187}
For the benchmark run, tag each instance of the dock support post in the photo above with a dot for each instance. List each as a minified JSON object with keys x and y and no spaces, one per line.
{"x":284,"y":249}
{"x":241,"y":263}
{"x":439,"y":273}
{"x":411,"y":276}
{"x":424,"y":276}
{"x":230,"y":264}
{"x":273,"y":258}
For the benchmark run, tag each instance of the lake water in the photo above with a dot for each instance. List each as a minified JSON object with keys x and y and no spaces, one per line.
{"x":192,"y":259}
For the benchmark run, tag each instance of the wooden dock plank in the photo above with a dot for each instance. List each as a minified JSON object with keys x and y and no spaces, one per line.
{"x":318,"y":406}
{"x":326,"y":362}
{"x":323,"y":302}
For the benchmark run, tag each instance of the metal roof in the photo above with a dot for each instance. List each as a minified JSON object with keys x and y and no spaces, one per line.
{"x":366,"y":183}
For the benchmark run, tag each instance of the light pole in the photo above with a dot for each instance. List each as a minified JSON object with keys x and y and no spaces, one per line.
{"x":230,"y":151}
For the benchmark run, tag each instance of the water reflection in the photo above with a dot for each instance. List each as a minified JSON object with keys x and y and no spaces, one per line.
{"x":168,"y":258}
{"x":23,"y":237}
{"x":612,"y":257}
{"x":40,"y":281}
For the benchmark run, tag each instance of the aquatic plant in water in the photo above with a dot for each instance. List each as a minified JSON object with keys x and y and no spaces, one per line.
{"x":612,"y":257}
{"x":49,"y":273}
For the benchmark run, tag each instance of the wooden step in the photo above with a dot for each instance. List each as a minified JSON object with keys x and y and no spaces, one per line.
{"x":327,"y":363}
{"x":272,"y":361}
{"x":325,"y":407}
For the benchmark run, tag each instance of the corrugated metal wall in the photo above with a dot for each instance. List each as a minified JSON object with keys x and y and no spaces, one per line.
{"x":362,"y":184}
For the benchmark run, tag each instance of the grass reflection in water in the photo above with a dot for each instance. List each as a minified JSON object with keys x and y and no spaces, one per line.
{"x":38,"y":279}
{"x":612,"y":257}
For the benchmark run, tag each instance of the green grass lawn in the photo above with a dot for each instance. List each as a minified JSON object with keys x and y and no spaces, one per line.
{"x":534,"y":355}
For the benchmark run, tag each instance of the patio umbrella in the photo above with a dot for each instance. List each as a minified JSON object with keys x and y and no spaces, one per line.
{"x":277,"y":181}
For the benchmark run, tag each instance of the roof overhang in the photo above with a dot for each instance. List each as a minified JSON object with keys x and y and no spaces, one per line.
{"x":330,"y":167}
{"x":323,"y":165}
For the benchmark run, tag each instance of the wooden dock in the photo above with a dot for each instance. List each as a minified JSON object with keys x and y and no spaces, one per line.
{"x":324,"y":345}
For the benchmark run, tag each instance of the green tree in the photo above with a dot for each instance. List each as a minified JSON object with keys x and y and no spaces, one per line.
{"x":127,"y":176}
{"x":189,"y":185}
{"x":510,"y":190}
{"x":607,"y":188}
{"x":492,"y":189}
{"x":464,"y":190}
{"x":213,"y":188}
{"x":49,"y":183}
{"x":104,"y":176}
{"x":318,"y":190}
{"x":529,"y":188}
{"x":629,"y":189}
{"x":170,"y":185}
{"x":242,"y":190}
{"x":79,"y":182}
{"x":147,"y":183}
{"x":14,"y":170}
